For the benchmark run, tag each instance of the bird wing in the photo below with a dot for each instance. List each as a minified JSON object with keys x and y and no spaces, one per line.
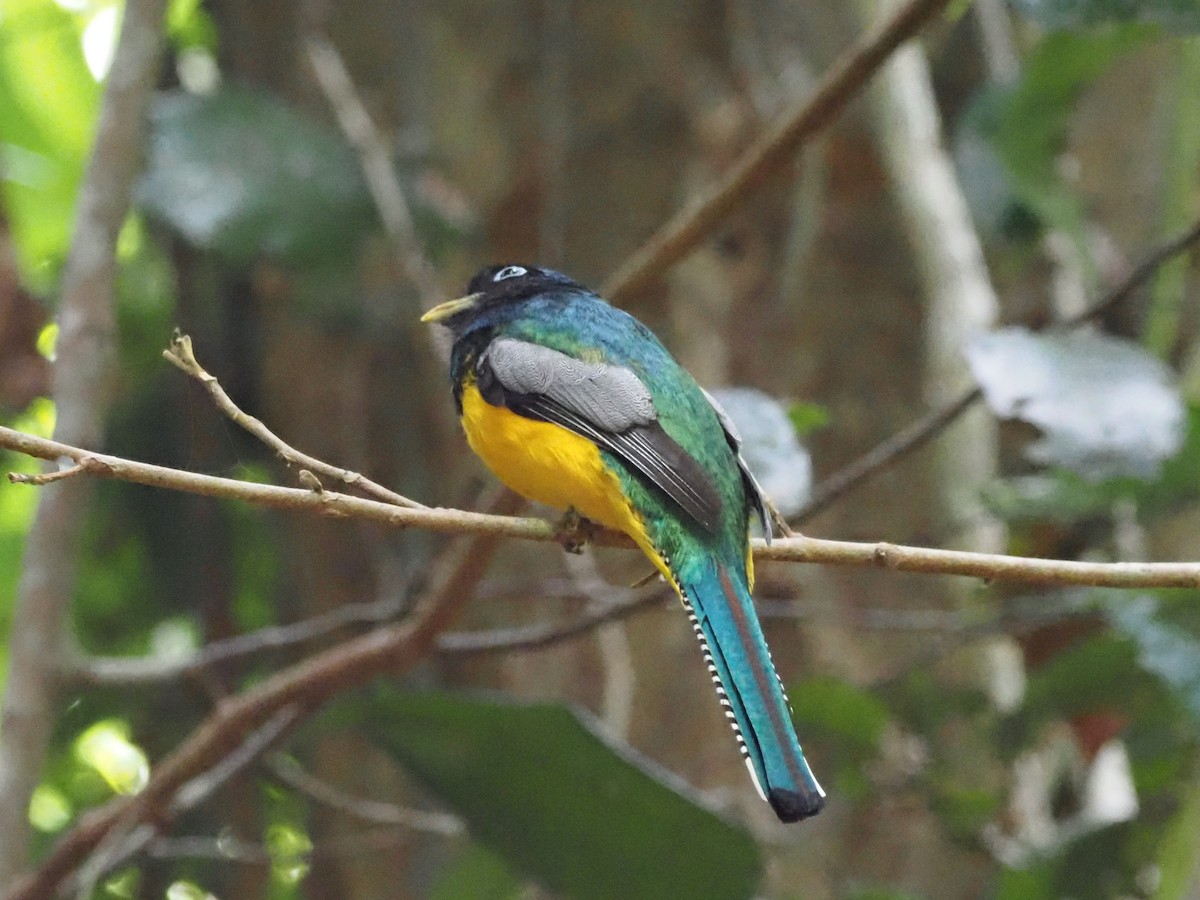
{"x":754,"y":490}
{"x":606,"y":404}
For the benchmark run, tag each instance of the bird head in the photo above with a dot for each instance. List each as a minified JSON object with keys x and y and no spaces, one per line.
{"x":495,"y":288}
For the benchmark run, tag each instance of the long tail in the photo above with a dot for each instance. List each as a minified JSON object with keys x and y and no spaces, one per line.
{"x":722,"y":613}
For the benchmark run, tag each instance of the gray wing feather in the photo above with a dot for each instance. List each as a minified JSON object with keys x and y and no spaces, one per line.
{"x":608,"y":405}
{"x":611,"y":397}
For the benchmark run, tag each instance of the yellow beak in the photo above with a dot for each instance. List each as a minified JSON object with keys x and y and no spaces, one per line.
{"x":450,"y":307}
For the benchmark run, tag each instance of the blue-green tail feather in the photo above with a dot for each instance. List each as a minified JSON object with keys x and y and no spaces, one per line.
{"x":718,"y":601}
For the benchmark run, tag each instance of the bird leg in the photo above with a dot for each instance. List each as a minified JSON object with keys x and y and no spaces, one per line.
{"x":573,"y":532}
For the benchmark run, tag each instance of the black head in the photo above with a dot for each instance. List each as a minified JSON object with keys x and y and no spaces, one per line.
{"x":512,"y":281}
{"x":494,"y":287}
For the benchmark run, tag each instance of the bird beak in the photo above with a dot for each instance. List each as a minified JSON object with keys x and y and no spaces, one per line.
{"x":445,"y":310}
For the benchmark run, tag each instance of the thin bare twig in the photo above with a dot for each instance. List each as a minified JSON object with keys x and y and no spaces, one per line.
{"x":915,"y":435}
{"x":882,"y":455}
{"x":130,"y":671}
{"x":690,"y":226}
{"x":1140,"y":274}
{"x":135,"y":671}
{"x":329,"y":503}
{"x":181,"y":355}
{"x":48,"y":477}
{"x":294,"y":776}
{"x":110,"y":671}
{"x":83,"y":378}
{"x":542,"y":635}
{"x":386,"y":190}
{"x":227,"y":850}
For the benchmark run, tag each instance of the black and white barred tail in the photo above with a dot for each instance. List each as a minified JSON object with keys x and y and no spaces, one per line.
{"x":748,"y":688}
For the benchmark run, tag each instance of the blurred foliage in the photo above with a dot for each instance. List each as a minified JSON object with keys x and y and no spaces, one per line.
{"x":1010,"y":143}
{"x":847,"y":723}
{"x":477,"y":874}
{"x":240,"y":174}
{"x":48,"y":106}
{"x":1174,"y":14}
{"x":237,"y":177}
{"x":808,"y":417}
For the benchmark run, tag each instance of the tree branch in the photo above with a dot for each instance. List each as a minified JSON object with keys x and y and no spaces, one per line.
{"x":542,"y":635}
{"x":181,"y":355}
{"x":992,"y":567}
{"x":294,"y":776}
{"x":323,"y":502}
{"x":82,"y":382}
{"x":690,"y":226}
{"x":387,"y":192}
{"x":130,"y":671}
{"x":123,"y":843}
{"x":918,"y":433}
{"x":306,"y":685}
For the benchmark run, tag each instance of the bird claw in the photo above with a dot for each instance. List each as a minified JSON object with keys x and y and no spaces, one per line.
{"x":573,"y":532}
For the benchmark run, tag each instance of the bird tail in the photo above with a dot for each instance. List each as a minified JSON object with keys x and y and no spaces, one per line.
{"x":722,"y":614}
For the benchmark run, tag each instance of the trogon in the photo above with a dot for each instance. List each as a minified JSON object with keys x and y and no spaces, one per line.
{"x":574,"y":403}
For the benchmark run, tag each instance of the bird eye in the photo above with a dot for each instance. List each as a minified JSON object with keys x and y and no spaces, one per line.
{"x":510,"y":272}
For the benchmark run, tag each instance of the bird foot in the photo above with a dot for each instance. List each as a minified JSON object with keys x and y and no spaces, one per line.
{"x":573,"y":532}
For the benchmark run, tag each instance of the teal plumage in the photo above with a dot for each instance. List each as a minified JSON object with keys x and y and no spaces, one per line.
{"x":539,"y":345}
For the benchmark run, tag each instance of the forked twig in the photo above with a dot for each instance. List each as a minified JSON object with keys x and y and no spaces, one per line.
{"x":181,"y":355}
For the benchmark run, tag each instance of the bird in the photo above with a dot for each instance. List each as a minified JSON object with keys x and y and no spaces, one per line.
{"x":574,"y":403}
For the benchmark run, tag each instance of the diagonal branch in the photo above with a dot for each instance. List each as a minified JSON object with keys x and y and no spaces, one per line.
{"x":131,"y":671}
{"x":542,"y":635}
{"x":294,"y":776}
{"x":306,"y":685}
{"x":181,"y":355}
{"x":123,"y":843}
{"x":690,"y":226}
{"x":356,"y":124}
{"x":918,"y":433}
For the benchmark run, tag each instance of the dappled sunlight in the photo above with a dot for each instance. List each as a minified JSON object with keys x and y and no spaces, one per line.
{"x":106,"y":747}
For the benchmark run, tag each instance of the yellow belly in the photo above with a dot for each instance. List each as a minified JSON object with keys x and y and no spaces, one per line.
{"x":551,"y":465}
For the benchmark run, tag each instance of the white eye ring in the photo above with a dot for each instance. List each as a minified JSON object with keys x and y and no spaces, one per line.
{"x":510,"y":272}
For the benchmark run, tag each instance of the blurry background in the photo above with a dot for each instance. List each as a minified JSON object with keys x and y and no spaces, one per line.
{"x":975,"y":740}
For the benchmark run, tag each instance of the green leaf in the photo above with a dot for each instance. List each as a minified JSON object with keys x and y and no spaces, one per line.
{"x":1029,"y":125}
{"x":1162,"y":649}
{"x":839,"y":709}
{"x":1029,"y":882}
{"x":240,"y":173}
{"x":477,"y":875}
{"x":190,"y":26}
{"x":877,"y":892}
{"x":48,"y":106}
{"x":1178,"y":15}
{"x":808,"y":417}
{"x":539,"y":787}
{"x":1178,"y":854}
{"x":1093,"y":674}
